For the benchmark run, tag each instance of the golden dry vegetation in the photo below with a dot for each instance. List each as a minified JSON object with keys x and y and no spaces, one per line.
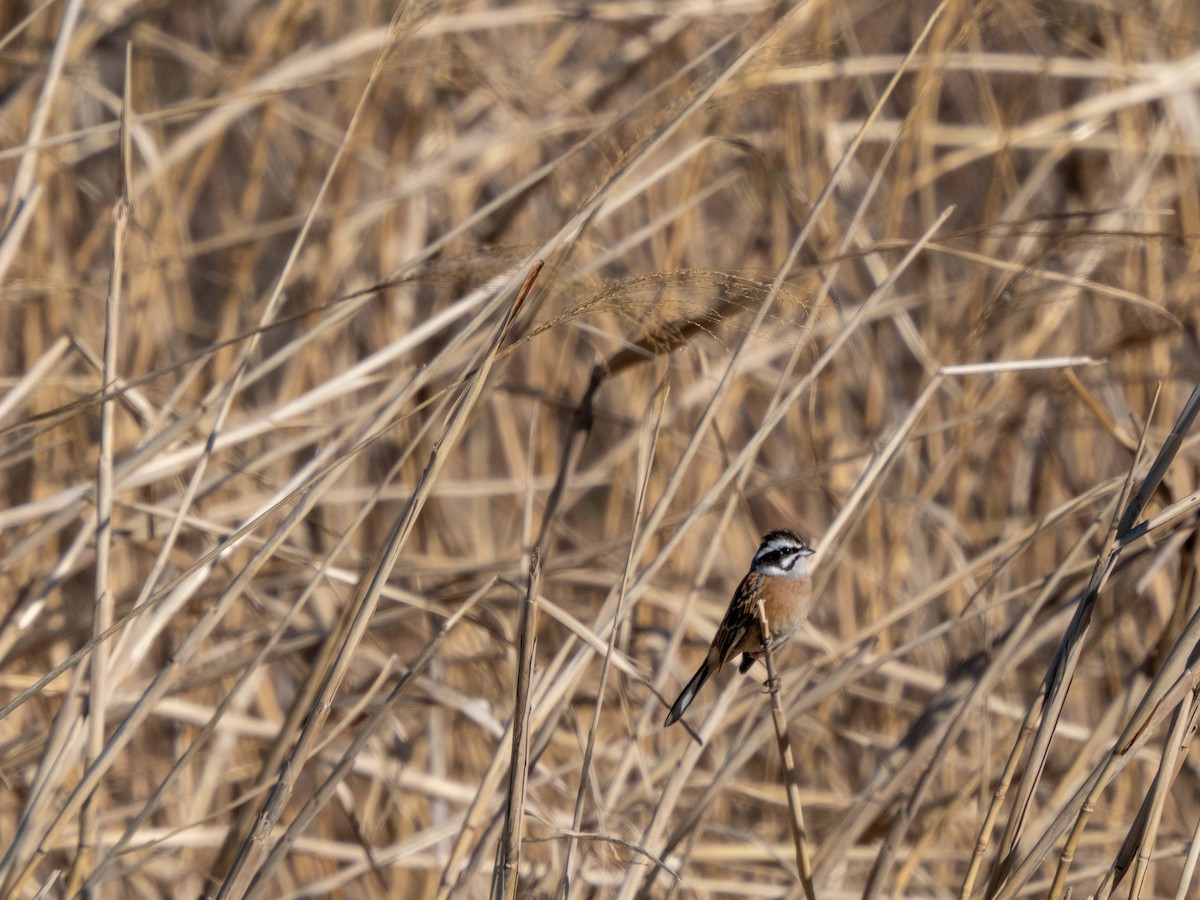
{"x":278,"y":443}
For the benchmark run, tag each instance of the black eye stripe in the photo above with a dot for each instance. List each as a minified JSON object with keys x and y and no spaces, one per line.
{"x":783,"y":559}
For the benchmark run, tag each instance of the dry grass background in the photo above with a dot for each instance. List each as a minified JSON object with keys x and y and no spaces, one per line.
{"x":263,"y":594}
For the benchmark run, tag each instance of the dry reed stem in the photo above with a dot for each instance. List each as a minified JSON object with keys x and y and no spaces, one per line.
{"x":1170,"y":680}
{"x":103,"y":612}
{"x":506,"y":875}
{"x":650,"y":433}
{"x":787,"y":760}
{"x":253,"y":851}
{"x":1050,"y":699}
{"x":234,"y":696}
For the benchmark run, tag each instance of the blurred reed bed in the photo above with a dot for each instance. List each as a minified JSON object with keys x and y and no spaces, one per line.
{"x":280,"y":431}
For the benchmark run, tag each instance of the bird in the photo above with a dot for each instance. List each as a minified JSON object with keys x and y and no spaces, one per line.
{"x":779,"y":575}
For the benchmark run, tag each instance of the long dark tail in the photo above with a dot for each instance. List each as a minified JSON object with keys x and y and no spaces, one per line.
{"x":688,"y":694}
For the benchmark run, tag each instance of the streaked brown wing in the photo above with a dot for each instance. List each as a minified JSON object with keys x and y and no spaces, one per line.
{"x":739,"y":618}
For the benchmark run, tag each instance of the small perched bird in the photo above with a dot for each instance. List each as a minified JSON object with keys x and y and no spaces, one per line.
{"x":779,"y":575}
